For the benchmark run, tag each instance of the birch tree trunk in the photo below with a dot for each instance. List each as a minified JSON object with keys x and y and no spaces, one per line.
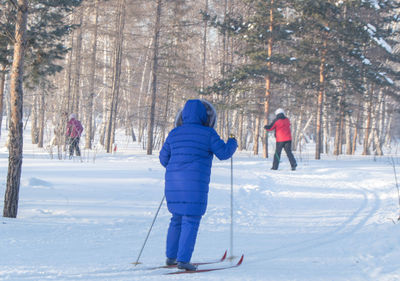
{"x":64,"y":108}
{"x":367,"y":114}
{"x":256,"y":134}
{"x":297,"y":131}
{"x":68,"y":82}
{"x":77,"y":75}
{"x":388,"y":126}
{"x":374,"y":128}
{"x":92,"y":75}
{"x":116,"y":77}
{"x":382,"y":116}
{"x":348,"y":134}
{"x":128,"y":101}
{"x":240,"y":131}
{"x":204,"y":62}
{"x":356,"y":129}
{"x":141,"y":112}
{"x":146,"y":112}
{"x":34,"y":120}
{"x":221,"y":126}
{"x":16,"y":125}
{"x":166,"y":107}
{"x":105,"y":95}
{"x":41,"y":118}
{"x":341,"y":124}
{"x":150,"y":128}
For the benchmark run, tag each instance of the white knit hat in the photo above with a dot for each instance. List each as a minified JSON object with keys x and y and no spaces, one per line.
{"x":72,"y":116}
{"x":279,"y":110}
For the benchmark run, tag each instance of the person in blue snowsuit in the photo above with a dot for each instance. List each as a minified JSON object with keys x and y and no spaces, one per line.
{"x":187,"y":155}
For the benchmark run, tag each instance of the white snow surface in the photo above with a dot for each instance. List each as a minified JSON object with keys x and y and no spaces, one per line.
{"x":331,"y":219}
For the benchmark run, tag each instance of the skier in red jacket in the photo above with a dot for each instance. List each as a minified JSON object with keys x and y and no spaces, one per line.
{"x":281,"y":125}
{"x":74,"y":131}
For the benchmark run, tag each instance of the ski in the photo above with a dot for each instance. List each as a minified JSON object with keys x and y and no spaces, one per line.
{"x":207,"y":269}
{"x":195,"y":263}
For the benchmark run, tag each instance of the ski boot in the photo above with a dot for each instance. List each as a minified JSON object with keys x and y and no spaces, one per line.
{"x":187,"y":266}
{"x":170,"y":262}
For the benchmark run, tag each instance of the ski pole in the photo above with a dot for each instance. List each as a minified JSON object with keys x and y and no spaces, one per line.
{"x":231,"y":257}
{"x":397,"y":185}
{"x":148,"y":233}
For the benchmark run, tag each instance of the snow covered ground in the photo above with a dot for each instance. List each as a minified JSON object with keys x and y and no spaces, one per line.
{"x":332,"y":219}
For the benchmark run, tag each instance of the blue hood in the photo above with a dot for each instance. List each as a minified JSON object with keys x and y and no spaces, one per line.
{"x":194,"y":112}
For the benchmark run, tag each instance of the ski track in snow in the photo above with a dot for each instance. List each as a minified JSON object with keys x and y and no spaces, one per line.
{"x":332,"y":219}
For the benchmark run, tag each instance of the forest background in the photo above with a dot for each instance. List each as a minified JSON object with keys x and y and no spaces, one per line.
{"x":131,"y":64}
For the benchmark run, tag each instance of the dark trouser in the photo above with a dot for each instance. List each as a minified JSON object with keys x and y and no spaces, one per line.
{"x":287,"y":145}
{"x":74,"y":146}
{"x":181,"y":238}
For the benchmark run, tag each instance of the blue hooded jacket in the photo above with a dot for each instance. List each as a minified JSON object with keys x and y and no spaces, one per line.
{"x":187,"y":155}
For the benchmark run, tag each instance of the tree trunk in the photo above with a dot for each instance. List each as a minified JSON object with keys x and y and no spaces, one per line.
{"x":356,"y":129}
{"x":105,"y":94}
{"x":166,"y":107}
{"x":325,"y":130}
{"x":374,"y":127}
{"x":34,"y":120}
{"x":387,"y":131}
{"x":150,"y":128}
{"x":339,"y":127}
{"x":297,"y":131}
{"x":382,"y":116}
{"x":77,"y":75}
{"x":128,"y":101}
{"x":116,"y":77}
{"x":319,"y":104}
{"x":227,"y":123}
{"x":240,"y":131}
{"x":367,"y":113}
{"x":337,"y":137}
{"x":68,"y":75}
{"x":355,"y":136}
{"x":318,"y":129}
{"x":256,"y":134}
{"x":16,"y":124}
{"x":92,"y":75}
{"x":144,"y":123}
{"x":2,"y":85}
{"x":204,"y":62}
{"x":41,"y":118}
{"x":141,"y":113}
{"x":268,"y":79}
{"x":348,"y":134}
{"x":224,"y":45}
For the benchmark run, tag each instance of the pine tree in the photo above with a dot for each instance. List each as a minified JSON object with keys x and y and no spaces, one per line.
{"x":264,"y":31}
{"x":36,"y":44}
{"x":16,"y":136}
{"x":6,"y":31}
{"x":335,"y":35}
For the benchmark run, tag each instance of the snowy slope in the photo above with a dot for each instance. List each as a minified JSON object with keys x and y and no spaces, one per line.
{"x":332,"y":219}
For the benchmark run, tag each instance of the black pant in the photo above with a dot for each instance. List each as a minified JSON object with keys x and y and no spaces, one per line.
{"x":287,"y":145}
{"x":74,"y":145}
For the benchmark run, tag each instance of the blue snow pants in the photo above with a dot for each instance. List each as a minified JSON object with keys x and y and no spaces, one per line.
{"x":181,"y":237}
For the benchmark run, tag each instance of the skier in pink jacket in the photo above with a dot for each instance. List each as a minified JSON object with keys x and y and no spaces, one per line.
{"x":74,"y":131}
